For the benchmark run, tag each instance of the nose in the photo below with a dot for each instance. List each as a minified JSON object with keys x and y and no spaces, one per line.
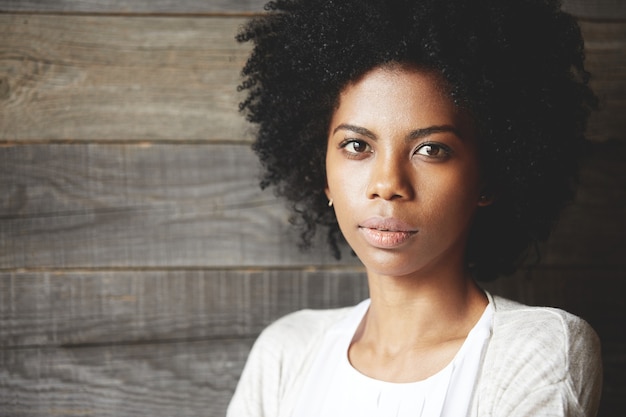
{"x":390,"y":180}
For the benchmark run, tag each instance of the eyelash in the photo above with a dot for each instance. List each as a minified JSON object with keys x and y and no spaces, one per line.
{"x":347,"y":142}
{"x":446,"y":151}
{"x":439,"y":146}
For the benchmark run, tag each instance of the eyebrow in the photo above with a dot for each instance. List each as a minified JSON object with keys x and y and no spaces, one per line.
{"x":414,"y":134}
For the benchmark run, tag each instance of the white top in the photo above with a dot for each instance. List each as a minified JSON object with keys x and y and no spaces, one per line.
{"x":538,"y":362}
{"x":334,"y":387}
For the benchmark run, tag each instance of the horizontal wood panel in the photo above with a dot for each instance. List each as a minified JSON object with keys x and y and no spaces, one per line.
{"x":154,"y":333}
{"x":113,"y":78}
{"x":596,"y":9}
{"x":148,"y":78}
{"x":134,"y":6}
{"x":181,"y":378}
{"x":161,"y":380}
{"x":99,"y":206}
{"x":605,"y":44}
{"x":90,"y":308}
{"x":74,"y":308}
{"x":133,"y":205}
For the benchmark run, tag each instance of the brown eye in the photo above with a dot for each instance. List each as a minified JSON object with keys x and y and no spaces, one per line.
{"x":434,"y":151}
{"x":354,"y":146}
{"x":431,"y":150}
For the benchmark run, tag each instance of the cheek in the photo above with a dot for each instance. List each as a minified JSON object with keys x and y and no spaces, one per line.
{"x":452,"y":193}
{"x":342,"y":179}
{"x":344,"y":191}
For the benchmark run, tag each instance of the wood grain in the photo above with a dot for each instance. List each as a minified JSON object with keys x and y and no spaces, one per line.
{"x":119,"y":78}
{"x":605,"y":44}
{"x":139,"y":259}
{"x":169,"y":379}
{"x":166,"y":206}
{"x":112,"y":78}
{"x":122,"y":307}
{"x":122,"y":206}
{"x":596,"y":9}
{"x":134,"y":6}
{"x":85,"y":369}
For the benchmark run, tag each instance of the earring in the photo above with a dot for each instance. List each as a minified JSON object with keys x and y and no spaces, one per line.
{"x":330,"y":202}
{"x":484,"y":200}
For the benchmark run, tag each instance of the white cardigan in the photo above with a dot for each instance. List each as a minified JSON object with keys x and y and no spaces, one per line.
{"x":539,"y":362}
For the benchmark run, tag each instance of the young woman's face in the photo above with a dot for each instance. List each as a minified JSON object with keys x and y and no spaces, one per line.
{"x":403,"y":173}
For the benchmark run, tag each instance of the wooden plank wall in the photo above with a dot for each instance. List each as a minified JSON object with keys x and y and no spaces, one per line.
{"x":139,"y":259}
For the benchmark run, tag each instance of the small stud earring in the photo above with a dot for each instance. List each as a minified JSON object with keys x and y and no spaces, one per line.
{"x":484,"y":199}
{"x":330,"y":202}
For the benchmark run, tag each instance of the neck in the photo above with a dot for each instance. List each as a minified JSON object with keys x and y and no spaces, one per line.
{"x":411,"y":311}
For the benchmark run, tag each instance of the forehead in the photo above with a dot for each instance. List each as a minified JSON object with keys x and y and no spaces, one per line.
{"x":400,"y":77}
{"x":401,"y":97}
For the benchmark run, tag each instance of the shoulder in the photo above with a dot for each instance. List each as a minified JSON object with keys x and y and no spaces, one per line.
{"x":541,"y":327}
{"x":298,"y":332}
{"x":278,"y":361}
{"x":288,"y":346}
{"x":542,"y":351}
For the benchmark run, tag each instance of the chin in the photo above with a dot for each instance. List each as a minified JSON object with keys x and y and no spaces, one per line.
{"x":392,"y":264}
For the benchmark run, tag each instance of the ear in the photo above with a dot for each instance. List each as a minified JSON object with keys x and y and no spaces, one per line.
{"x":327,"y":192}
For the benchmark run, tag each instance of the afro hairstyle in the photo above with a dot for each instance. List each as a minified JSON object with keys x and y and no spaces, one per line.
{"x":517,"y":66}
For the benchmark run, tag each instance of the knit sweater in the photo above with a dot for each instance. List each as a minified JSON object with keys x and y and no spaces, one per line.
{"x":539,"y":362}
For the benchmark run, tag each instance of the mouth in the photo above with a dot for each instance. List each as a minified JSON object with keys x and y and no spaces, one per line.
{"x":386,"y":233}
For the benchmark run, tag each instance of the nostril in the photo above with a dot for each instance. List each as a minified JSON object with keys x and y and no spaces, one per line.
{"x":389,"y":179}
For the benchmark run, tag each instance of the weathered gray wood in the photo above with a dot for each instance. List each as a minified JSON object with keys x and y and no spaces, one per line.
{"x":78,"y":308}
{"x":159,"y":380}
{"x":91,"y":308}
{"x":148,"y":78}
{"x":197,"y":377}
{"x":137,"y":325}
{"x":141,"y":206}
{"x":596,"y":9}
{"x":605,"y":44}
{"x":134,"y":6}
{"x":101,"y":206}
{"x":119,"y":78}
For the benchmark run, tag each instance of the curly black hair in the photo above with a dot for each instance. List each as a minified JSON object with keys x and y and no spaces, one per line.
{"x":516,"y":65}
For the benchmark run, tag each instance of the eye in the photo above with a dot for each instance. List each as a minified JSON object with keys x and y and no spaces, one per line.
{"x":433,"y":151}
{"x":355,"y":146}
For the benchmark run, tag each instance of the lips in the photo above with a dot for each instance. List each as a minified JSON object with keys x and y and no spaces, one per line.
{"x":386,"y":233}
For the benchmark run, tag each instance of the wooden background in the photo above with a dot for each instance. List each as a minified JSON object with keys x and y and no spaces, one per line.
{"x":139,"y":259}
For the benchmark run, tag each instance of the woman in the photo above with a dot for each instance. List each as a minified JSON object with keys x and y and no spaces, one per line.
{"x":441,"y":139}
